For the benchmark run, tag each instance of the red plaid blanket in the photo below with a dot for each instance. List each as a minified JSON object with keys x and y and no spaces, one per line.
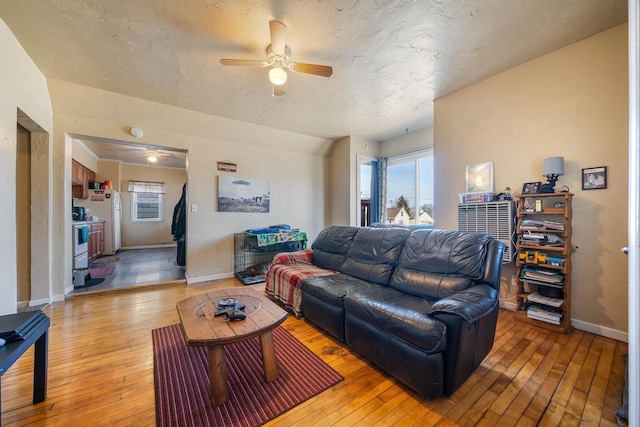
{"x":285,"y":276}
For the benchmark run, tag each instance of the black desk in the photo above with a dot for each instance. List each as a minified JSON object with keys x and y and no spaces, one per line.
{"x":36,"y":331}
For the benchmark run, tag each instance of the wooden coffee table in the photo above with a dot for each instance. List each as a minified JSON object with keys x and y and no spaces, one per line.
{"x":201,"y":328}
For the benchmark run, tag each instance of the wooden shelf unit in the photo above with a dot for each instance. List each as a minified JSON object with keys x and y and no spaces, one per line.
{"x":563,"y":252}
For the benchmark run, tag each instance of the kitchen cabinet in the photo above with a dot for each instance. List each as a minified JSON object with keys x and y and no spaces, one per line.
{"x":81,"y":178}
{"x":77,"y":173}
{"x":96,"y":240}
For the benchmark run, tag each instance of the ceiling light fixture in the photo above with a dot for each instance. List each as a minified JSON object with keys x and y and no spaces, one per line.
{"x":152,"y":156}
{"x":278,"y":76}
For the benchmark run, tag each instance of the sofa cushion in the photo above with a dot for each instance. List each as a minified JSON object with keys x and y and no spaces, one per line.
{"x":374,"y":253}
{"x":399,"y":314}
{"x":331,"y":246}
{"x":332,"y":289}
{"x":438,"y":263}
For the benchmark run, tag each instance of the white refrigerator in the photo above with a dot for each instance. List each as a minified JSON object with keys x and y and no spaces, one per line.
{"x":105,"y":204}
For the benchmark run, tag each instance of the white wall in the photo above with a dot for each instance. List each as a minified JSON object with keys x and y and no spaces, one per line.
{"x":294,"y":164}
{"x":571,"y":103}
{"x":23,"y":87}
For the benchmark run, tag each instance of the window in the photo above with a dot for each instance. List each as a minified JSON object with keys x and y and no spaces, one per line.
{"x":410,"y":185}
{"x":146,"y":201}
{"x":146,"y":207}
{"x":364,"y":190}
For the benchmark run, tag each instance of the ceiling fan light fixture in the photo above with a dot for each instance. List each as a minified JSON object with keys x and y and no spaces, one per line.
{"x":278,"y":76}
{"x":152,"y":156}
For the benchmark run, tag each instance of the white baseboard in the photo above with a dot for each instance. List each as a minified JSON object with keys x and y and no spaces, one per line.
{"x":35,"y":302}
{"x":600,"y":330}
{"x":60,"y":298}
{"x":66,"y":291}
{"x":508,"y":305}
{"x":167,"y":245}
{"x":199,"y":279}
{"x":582,"y":325}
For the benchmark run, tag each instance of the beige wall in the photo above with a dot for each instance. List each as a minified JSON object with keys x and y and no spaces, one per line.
{"x":150,"y":233}
{"x":296,"y":166}
{"x":25,"y":88}
{"x":343,"y":182}
{"x":110,"y":170}
{"x":416,"y":140}
{"x":82,"y":156}
{"x":571,"y":103}
{"x":340,"y":182}
{"x":23,"y":214}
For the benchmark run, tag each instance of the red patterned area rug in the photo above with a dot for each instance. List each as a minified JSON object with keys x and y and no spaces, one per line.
{"x":182,"y":383}
{"x":102,"y":271}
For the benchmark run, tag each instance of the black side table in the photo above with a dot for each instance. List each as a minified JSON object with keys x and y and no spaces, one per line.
{"x":33,"y":327}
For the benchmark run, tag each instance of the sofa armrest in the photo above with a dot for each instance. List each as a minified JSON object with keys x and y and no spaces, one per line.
{"x":470,"y":304}
{"x":471,"y":316}
{"x":290,"y":258}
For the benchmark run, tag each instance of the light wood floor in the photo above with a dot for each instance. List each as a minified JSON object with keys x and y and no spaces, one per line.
{"x":101,"y":373}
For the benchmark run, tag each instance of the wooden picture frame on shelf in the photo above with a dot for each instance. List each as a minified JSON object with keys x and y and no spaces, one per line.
{"x":531,"y":187}
{"x":594,"y":178}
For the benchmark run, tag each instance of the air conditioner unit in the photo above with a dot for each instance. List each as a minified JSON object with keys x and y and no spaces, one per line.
{"x":497,"y":219}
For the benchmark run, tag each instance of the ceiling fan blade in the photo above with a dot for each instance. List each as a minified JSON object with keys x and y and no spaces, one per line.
{"x":278,"y":90}
{"x":278,"y":31}
{"x":318,"y":70}
{"x":243,"y":62}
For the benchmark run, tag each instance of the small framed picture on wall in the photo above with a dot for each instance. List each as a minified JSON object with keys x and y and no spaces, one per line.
{"x":594,"y":178}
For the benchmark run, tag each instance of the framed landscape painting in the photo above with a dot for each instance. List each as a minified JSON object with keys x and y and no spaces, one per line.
{"x":243,"y":195}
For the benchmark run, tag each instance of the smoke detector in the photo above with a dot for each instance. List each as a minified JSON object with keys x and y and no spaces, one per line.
{"x":137,"y":132}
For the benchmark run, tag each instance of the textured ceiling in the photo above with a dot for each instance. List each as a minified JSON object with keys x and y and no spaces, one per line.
{"x":391,"y":58}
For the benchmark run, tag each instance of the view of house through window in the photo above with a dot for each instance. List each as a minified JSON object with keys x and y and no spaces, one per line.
{"x":409,"y":185}
{"x":410,"y":189}
{"x":146,"y":207}
{"x":146,"y":201}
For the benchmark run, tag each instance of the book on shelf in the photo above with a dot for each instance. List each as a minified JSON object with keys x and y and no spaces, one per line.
{"x":534,"y":224}
{"x":552,"y":225}
{"x":553,"y":302}
{"x":538,"y":282}
{"x":544,"y":313}
{"x":541,"y":275}
{"x":555,"y":321}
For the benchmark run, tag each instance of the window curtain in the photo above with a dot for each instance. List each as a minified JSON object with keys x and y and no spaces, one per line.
{"x":146,"y":187}
{"x":379,"y":190}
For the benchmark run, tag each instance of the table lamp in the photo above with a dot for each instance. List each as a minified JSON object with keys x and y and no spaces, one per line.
{"x":552,"y":169}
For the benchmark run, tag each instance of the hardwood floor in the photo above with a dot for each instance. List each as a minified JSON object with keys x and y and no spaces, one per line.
{"x":101,"y":373}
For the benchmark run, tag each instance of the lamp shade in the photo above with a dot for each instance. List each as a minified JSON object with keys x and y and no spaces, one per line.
{"x":277,"y":76}
{"x":553,"y":166}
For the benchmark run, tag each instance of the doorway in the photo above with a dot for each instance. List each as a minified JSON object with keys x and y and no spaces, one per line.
{"x":33,"y":213}
{"x":23,"y":215}
{"x":148,"y":192}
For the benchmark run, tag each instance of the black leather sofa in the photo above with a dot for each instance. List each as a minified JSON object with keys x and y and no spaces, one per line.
{"x":420,"y":304}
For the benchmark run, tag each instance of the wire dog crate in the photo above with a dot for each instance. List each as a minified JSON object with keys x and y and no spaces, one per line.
{"x":251,"y":262}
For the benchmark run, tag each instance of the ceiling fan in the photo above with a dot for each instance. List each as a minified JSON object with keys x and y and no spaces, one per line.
{"x":278,"y":60}
{"x":153,"y":155}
